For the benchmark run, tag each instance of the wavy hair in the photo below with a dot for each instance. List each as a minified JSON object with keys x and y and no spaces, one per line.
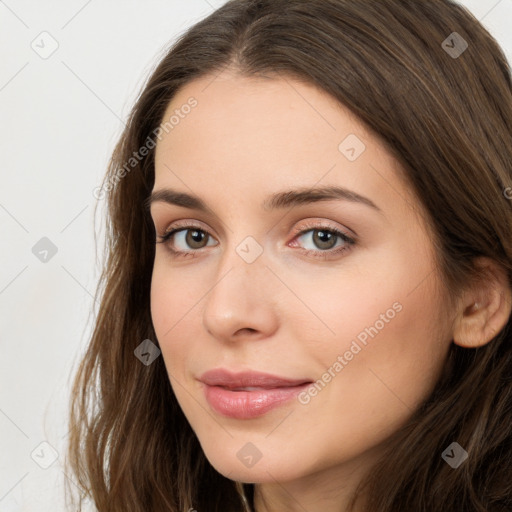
{"x":447,"y":119}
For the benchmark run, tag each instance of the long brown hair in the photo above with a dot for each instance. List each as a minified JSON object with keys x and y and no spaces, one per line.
{"x":447,"y":118}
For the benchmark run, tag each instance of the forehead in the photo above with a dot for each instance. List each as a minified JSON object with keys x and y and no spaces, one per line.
{"x":235,"y":112}
{"x":264,"y":134}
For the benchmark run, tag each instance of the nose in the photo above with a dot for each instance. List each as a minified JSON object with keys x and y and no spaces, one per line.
{"x":242,"y":301}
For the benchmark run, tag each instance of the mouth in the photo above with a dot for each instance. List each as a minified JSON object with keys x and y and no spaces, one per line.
{"x":248,"y":395}
{"x":249,"y":379}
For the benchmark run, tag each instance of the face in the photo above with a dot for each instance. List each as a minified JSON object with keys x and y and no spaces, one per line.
{"x":298,"y":335}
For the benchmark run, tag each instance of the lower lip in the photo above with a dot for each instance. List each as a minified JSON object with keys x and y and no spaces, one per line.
{"x":244,"y":405}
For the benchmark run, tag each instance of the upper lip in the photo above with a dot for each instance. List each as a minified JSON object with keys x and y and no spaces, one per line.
{"x":232,"y":380}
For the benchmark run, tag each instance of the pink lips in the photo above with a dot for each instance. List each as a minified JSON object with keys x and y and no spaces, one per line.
{"x":228,"y":395}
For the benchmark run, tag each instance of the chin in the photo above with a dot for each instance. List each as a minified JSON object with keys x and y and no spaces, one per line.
{"x":236,"y":464}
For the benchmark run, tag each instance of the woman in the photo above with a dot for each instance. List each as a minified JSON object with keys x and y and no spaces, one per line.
{"x":307,"y":297}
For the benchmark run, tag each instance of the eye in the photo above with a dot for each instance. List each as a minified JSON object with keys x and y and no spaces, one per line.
{"x":324,"y":238}
{"x":190,"y":235}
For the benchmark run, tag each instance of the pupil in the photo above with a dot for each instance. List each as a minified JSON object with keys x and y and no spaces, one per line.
{"x":324,"y":234}
{"x":196,"y":236}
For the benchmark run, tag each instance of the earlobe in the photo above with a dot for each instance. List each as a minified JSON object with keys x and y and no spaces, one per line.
{"x":485,"y":310}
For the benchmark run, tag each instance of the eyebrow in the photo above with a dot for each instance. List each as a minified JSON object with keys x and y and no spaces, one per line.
{"x":279,"y":200}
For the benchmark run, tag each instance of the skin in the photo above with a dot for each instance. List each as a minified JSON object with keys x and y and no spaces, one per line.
{"x":289,"y":313}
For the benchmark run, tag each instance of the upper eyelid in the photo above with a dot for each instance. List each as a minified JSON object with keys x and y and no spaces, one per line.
{"x":187,"y":225}
{"x":155,"y":212}
{"x":310,"y":225}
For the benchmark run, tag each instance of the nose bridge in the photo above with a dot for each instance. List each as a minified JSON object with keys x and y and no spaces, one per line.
{"x":241,"y":269}
{"x":243,"y":253}
{"x":239,"y":298}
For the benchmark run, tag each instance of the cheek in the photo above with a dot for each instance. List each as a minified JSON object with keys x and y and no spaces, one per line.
{"x":385,"y":301}
{"x":172,"y":296}
{"x":162,"y":302}
{"x":171,"y":305}
{"x":383,"y":360}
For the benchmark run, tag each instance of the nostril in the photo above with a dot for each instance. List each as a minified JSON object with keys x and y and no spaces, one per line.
{"x":247,"y":329}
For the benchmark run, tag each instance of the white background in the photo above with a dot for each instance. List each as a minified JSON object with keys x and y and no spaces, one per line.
{"x":60,"y":118}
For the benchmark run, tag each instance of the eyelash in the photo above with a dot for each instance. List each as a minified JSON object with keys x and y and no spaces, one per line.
{"x":309,"y":252}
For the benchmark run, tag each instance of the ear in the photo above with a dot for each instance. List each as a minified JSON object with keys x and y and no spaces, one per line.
{"x":485,"y":308}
